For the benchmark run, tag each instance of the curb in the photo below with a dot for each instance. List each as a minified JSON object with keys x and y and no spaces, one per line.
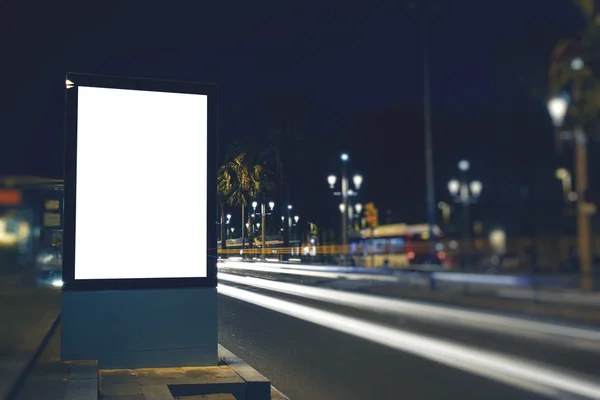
{"x":22,"y":376}
{"x":259,"y":387}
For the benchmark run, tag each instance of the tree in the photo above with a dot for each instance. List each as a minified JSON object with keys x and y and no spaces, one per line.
{"x":240,"y":180}
{"x":583,"y":83}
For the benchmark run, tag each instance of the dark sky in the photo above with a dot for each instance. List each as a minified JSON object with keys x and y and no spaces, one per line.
{"x":348,"y":58}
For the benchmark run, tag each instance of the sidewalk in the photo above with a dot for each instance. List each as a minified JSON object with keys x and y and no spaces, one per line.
{"x":26,"y":316}
{"x":53,"y":379}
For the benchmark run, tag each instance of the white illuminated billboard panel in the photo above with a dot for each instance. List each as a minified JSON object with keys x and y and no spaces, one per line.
{"x":141,"y":185}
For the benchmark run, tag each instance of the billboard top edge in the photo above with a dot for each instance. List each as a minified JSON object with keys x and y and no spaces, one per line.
{"x":150,"y":84}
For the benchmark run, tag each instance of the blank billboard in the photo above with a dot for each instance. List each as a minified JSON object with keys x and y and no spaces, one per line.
{"x":141,"y":185}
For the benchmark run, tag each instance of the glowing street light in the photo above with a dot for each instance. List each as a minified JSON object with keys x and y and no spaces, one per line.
{"x":296,"y":218}
{"x":358,"y":207}
{"x":357,"y":179}
{"x":557,"y":108}
{"x":344,"y":157}
{"x":254,"y":204}
{"x":342,"y":207}
{"x":331,"y":179}
{"x":577,"y":64}
{"x":271,"y":205}
{"x":476,"y":188}
{"x":463,"y":165}
{"x":453,"y":187}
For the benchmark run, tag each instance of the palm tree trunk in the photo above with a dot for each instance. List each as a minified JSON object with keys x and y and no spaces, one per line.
{"x":243,"y":226}
{"x":223,"y":241}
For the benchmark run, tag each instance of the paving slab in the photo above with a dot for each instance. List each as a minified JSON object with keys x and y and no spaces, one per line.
{"x":53,"y":379}
{"x":26,"y":317}
{"x":231,"y":379}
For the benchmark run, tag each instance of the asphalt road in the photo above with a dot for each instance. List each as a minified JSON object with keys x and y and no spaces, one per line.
{"x":309,"y":361}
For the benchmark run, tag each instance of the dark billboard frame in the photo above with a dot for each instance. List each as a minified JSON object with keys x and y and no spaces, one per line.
{"x":74,"y":80}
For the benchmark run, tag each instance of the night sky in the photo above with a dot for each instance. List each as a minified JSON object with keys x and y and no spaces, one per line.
{"x":354,"y":67}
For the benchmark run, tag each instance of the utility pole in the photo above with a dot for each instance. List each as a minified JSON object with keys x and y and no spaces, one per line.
{"x":429,"y":166}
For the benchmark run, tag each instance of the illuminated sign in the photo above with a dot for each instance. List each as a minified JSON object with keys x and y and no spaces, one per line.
{"x":52,"y":220}
{"x":52,"y":205}
{"x":10,"y":197}
{"x":133,"y":138}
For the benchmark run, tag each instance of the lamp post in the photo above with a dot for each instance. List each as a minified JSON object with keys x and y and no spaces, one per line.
{"x":296,"y":219}
{"x":227,"y":223}
{"x":289,"y":222}
{"x":557,"y":108}
{"x":345,"y":193}
{"x":263,"y":214}
{"x":465,"y":193}
{"x":358,"y":208}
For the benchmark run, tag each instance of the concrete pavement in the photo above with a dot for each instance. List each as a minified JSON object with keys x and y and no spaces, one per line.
{"x":55,"y":380}
{"x":26,"y":316}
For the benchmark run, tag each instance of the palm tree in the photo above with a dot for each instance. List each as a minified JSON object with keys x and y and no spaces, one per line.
{"x":221,"y":197}
{"x":239,"y":180}
{"x":234,"y":183}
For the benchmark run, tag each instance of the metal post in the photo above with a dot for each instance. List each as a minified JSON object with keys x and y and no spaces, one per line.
{"x":465,"y":198}
{"x":583,"y":217}
{"x":289,"y":218}
{"x":262,"y":214}
{"x":345,"y":213}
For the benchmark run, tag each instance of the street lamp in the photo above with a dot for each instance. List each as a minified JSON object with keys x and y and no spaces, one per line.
{"x":296,"y":218}
{"x":345,"y":193}
{"x":465,"y":193}
{"x":564,"y":176}
{"x":476,"y":188}
{"x":358,"y":207}
{"x":331,"y":179}
{"x":289,"y":223}
{"x":263,"y":214}
{"x":357,"y":179}
{"x":557,"y":108}
{"x":445,"y":207}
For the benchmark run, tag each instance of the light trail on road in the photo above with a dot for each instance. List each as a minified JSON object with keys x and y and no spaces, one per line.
{"x":292,"y":270}
{"x":572,"y":336}
{"x":534,"y":377}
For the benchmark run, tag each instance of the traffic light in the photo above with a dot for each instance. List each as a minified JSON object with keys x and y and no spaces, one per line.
{"x":372,"y":215}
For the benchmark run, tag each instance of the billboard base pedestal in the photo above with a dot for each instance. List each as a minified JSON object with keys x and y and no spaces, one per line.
{"x":129,"y":329}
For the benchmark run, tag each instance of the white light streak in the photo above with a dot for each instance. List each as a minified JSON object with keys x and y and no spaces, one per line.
{"x":572,"y":336}
{"x":509,"y":370}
